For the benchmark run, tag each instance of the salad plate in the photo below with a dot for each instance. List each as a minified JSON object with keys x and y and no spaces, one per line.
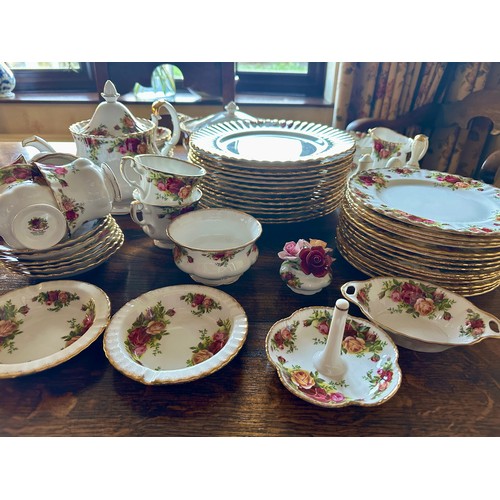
{"x":175,"y":334}
{"x":44,"y":325}
{"x":427,"y":198}
{"x":270,"y":141}
{"x":419,"y":315}
{"x":373,"y":374}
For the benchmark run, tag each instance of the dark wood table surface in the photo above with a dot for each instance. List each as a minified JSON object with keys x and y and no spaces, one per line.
{"x":452,"y":393}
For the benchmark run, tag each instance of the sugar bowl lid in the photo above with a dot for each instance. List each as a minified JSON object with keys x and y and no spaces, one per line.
{"x":232,"y":112}
{"x":112,"y":118}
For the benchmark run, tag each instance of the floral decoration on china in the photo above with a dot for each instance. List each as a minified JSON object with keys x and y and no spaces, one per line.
{"x":310,"y":257}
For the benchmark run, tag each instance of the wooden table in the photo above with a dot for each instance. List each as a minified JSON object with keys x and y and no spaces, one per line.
{"x":452,"y":393}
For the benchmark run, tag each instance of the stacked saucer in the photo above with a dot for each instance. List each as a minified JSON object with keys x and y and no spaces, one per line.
{"x":278,"y":171}
{"x":91,"y":245}
{"x":424,"y":225}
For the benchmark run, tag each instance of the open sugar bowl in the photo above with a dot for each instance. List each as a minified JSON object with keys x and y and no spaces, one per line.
{"x":215,"y":246}
{"x":421,"y":316}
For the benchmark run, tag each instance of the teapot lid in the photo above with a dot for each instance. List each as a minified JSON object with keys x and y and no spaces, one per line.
{"x":112,"y":118}
{"x":231,"y":113}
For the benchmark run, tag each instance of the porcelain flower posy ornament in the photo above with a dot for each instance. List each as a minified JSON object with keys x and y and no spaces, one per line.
{"x":307,"y":265}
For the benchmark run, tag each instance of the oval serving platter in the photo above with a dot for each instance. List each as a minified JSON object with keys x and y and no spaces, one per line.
{"x":373,"y":374}
{"x":44,"y":325}
{"x":175,"y":334}
{"x":419,"y":315}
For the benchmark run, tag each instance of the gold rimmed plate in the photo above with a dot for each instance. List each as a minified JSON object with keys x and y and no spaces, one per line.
{"x":47,"y":324}
{"x":175,"y":334}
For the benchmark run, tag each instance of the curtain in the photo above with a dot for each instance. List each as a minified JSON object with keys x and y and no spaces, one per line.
{"x":387,"y":90}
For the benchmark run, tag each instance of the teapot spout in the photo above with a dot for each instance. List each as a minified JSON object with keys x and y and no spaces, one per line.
{"x":41,"y":144}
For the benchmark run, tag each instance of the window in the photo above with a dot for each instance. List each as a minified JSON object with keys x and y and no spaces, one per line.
{"x":302,"y":78}
{"x":282,"y":78}
{"x":54,"y":76}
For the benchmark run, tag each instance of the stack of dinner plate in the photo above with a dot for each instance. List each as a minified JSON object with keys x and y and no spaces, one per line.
{"x":92,"y":244}
{"x":423,"y":224}
{"x":278,"y":171}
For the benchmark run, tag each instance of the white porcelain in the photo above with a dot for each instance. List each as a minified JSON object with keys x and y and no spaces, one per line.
{"x":329,"y":361}
{"x":419,"y":315}
{"x":18,"y":171}
{"x":154,"y":219}
{"x":39,"y":225}
{"x":175,"y":334}
{"x":161,"y":180}
{"x":302,"y":283}
{"x":430,"y":199}
{"x":371,"y":376}
{"x":113,"y":131}
{"x":215,"y":246}
{"x":83,"y":190}
{"x":389,"y":144}
{"x":47,"y":324}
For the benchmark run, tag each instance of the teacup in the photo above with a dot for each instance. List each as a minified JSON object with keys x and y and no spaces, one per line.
{"x":388,"y":144}
{"x":30,"y":217}
{"x":161,"y":180}
{"x":215,"y":246}
{"x":83,"y":190}
{"x":155,"y":219}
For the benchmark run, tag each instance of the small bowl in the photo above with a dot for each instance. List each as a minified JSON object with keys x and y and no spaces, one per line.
{"x":215,"y":246}
{"x":175,"y":334}
{"x":373,"y":374}
{"x":421,"y":316}
{"x":44,"y":325}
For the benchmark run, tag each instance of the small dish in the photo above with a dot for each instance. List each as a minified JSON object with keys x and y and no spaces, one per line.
{"x":373,"y":375}
{"x":421,"y":316}
{"x":44,"y":325}
{"x":215,"y":246}
{"x":175,"y":334}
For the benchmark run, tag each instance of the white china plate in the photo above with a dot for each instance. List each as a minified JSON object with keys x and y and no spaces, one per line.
{"x":427,"y":198}
{"x":373,"y":375}
{"x":44,"y":325}
{"x":419,"y":315}
{"x":175,"y":334}
{"x":272,"y":142}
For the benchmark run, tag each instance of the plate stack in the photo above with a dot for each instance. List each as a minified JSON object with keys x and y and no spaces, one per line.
{"x":423,"y":224}
{"x":278,"y":171}
{"x":93,"y":243}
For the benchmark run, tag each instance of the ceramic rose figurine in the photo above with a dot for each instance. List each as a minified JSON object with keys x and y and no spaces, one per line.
{"x":307,"y":266}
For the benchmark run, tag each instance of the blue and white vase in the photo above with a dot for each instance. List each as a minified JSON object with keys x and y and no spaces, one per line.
{"x":7,"y":81}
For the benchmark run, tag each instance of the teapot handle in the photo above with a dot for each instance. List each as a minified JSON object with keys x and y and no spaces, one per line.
{"x":156,"y":116}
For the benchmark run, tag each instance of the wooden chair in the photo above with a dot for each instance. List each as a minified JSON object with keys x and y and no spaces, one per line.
{"x":479,"y":111}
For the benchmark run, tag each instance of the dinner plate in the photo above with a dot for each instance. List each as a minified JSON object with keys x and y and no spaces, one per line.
{"x":175,"y":334}
{"x":427,"y":198}
{"x":269,"y":141}
{"x":373,"y":374}
{"x":45,"y":325}
{"x":419,"y":315}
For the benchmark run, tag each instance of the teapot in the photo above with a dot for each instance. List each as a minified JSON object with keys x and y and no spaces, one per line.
{"x":113,"y":132}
